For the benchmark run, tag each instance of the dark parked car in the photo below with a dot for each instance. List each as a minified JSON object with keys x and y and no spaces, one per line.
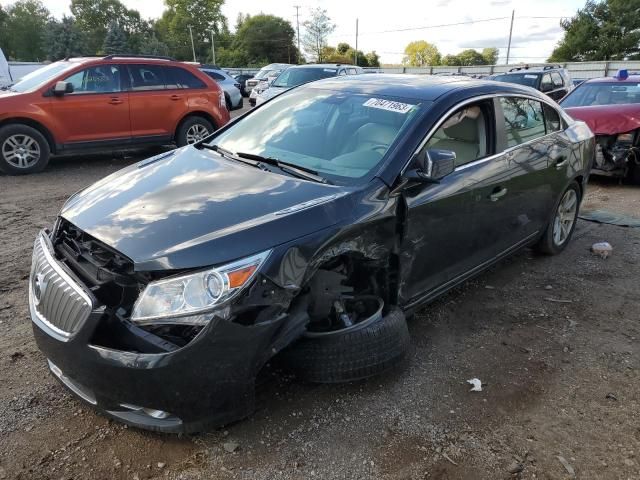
{"x":242,"y":80}
{"x":307,"y":229}
{"x":554,"y":80}
{"x":610,"y":106}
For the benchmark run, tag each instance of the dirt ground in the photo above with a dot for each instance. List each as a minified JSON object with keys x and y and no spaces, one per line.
{"x":553,"y":339}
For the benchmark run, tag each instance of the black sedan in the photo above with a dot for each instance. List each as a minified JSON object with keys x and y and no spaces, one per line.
{"x":308,"y":230}
{"x":241,"y":79}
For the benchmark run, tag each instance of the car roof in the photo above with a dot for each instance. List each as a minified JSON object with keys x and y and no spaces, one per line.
{"x":421,"y":87}
{"x":325,"y":65}
{"x":534,"y":69}
{"x":129,"y":59}
{"x":629,"y":79}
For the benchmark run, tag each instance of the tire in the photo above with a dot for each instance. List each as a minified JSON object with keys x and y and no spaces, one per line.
{"x":549,"y":244}
{"x":240,"y":104}
{"x":192,"y":128}
{"x":634,"y":174}
{"x":351,"y":355}
{"x":227,"y":102}
{"x":27,"y":142}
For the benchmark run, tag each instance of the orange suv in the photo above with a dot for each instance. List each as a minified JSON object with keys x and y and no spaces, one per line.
{"x":105,"y":103}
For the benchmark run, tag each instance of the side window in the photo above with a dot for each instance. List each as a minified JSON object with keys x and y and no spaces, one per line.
{"x":98,"y":79}
{"x":146,"y":77}
{"x":546,"y":84}
{"x":214,"y":75}
{"x":342,"y":71}
{"x":523,"y":120}
{"x":185,"y":79}
{"x":353,"y":71}
{"x":464,"y":133}
{"x":556,"y":78}
{"x":551,"y":118}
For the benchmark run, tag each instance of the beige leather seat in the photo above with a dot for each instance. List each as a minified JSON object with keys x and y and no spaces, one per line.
{"x":463,"y":138}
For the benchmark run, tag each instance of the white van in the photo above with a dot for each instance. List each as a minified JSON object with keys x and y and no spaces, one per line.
{"x":11,"y":72}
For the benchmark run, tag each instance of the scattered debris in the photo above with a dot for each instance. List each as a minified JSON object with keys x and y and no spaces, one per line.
{"x":15,"y":356}
{"x":566,"y":466}
{"x":602,"y":249}
{"x":515,"y":467}
{"x":611,"y":396}
{"x":557,"y":300}
{"x":548,"y":287}
{"x":477,"y":385}
{"x":230,"y":446}
{"x":161,"y":465}
{"x":449,"y":459}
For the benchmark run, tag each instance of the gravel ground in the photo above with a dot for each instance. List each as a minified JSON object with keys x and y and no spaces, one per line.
{"x":554,"y":341}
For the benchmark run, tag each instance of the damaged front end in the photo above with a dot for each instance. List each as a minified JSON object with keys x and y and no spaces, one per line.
{"x":146,"y":348}
{"x":617,"y":155}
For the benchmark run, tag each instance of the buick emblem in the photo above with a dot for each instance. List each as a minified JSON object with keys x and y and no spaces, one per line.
{"x":39,"y":287}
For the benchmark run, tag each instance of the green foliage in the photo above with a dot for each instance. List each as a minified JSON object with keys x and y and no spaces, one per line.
{"x":421,"y":53}
{"x":317,"y":30}
{"x":450,"y":60}
{"x":203,"y":16}
{"x":604,"y":30}
{"x":373,"y":59}
{"x":152,"y":46}
{"x":115,"y":41}
{"x":3,"y":27}
{"x":490,"y":55}
{"x":345,"y":53}
{"x":24,"y":23}
{"x":266,"y":38}
{"x":470,"y":57}
{"x":64,"y":39}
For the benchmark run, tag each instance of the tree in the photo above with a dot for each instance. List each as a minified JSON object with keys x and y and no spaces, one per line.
{"x":115,"y":41}
{"x":373,"y":59}
{"x":24,"y":23}
{"x":203,"y":16}
{"x":470,"y":57}
{"x":421,"y":53}
{"x":602,"y":30}
{"x":3,"y":26}
{"x":266,"y":39}
{"x":450,"y":60}
{"x":95,"y":16}
{"x":490,"y":55}
{"x":64,"y":39}
{"x":152,"y":46}
{"x":317,"y":30}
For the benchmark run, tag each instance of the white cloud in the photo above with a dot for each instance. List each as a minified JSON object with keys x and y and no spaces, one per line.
{"x":533,"y":38}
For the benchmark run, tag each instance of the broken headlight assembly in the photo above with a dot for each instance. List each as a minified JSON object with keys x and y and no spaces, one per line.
{"x":188,"y":299}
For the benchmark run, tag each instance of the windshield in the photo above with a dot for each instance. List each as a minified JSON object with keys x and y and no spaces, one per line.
{"x":266,"y":72}
{"x":588,"y":94}
{"x":37,"y":78}
{"x":297,"y":76}
{"x":528,"y":79}
{"x":340,"y":135}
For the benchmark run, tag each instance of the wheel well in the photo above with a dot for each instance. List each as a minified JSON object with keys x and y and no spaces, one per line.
{"x":205,"y":115}
{"x":33,"y":124}
{"x":580,"y":179}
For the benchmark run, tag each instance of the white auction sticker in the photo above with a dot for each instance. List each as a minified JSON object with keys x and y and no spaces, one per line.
{"x":389,"y":105}
{"x":530,"y":76}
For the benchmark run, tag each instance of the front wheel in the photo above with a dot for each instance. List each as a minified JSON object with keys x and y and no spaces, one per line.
{"x":192,"y":130}
{"x":23,"y":150}
{"x":561,"y":225}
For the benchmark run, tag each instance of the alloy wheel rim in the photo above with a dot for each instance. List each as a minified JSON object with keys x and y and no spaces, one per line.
{"x":21,"y":151}
{"x":196,"y":132}
{"x":565,"y":217}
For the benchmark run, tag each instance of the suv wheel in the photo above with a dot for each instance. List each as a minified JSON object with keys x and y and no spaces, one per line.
{"x":562,"y":223}
{"x":192,"y":130}
{"x":23,"y":150}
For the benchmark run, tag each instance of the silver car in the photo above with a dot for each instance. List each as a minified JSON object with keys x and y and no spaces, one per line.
{"x":294,"y":76}
{"x":263,"y":77}
{"x":230,"y":85}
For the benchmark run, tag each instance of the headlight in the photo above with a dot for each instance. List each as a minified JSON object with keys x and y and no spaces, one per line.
{"x":186,"y":299}
{"x":625,"y":137}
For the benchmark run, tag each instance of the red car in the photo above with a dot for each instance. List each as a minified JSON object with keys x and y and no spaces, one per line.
{"x":98,"y":103}
{"x":611,"y":108}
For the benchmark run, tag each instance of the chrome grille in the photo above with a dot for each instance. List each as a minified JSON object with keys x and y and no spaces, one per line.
{"x":58,"y":304}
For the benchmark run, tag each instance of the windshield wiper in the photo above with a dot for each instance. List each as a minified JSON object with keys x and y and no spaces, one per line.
{"x":229,"y":154}
{"x":292,"y":168}
{"x":8,"y":87}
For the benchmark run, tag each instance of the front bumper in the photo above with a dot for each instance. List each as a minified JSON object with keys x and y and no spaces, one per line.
{"x":207,"y":383}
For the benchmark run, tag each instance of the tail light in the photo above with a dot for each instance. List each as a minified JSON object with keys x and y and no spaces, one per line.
{"x":222,"y":102}
{"x":237,"y":85}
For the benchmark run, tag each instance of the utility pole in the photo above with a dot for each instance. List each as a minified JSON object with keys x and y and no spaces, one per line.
{"x":355,"y":53}
{"x":193,"y":48}
{"x":513,"y":12}
{"x":213,"y":49}
{"x":297,"y":7}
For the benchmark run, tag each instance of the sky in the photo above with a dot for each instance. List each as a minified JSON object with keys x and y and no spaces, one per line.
{"x":536,"y":28}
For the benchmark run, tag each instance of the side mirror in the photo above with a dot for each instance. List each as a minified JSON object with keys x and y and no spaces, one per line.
{"x":434,"y":165}
{"x":62,"y":88}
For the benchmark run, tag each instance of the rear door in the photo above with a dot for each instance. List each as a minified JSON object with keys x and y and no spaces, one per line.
{"x":560,"y":88}
{"x":157,"y":102}
{"x":96,"y":111}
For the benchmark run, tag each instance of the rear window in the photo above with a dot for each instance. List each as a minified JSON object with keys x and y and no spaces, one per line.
{"x":185,"y":79}
{"x":216,"y":76}
{"x":297,"y":76}
{"x":528,"y":79}
{"x":587,"y":94}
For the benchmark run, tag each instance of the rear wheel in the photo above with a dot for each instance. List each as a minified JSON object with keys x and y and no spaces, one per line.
{"x":192,"y":130}
{"x":227,"y":102}
{"x":23,"y":150}
{"x":562,"y":223}
{"x":634,"y":174}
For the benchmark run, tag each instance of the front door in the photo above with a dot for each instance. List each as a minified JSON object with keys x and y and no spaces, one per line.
{"x":96,"y":111}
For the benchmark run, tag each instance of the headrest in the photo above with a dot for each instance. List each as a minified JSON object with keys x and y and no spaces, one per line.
{"x":463,"y":125}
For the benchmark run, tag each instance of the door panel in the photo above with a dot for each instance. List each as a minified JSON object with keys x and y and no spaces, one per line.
{"x":157,"y":104}
{"x":97,"y":110}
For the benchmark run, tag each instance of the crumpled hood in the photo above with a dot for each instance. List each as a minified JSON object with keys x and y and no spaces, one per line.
{"x":194,"y":208}
{"x":608,"y":119}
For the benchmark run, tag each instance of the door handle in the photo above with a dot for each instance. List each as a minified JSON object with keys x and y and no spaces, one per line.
{"x":175,"y":97}
{"x":115,"y":101}
{"x":560,"y":161}
{"x":497,"y":194}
